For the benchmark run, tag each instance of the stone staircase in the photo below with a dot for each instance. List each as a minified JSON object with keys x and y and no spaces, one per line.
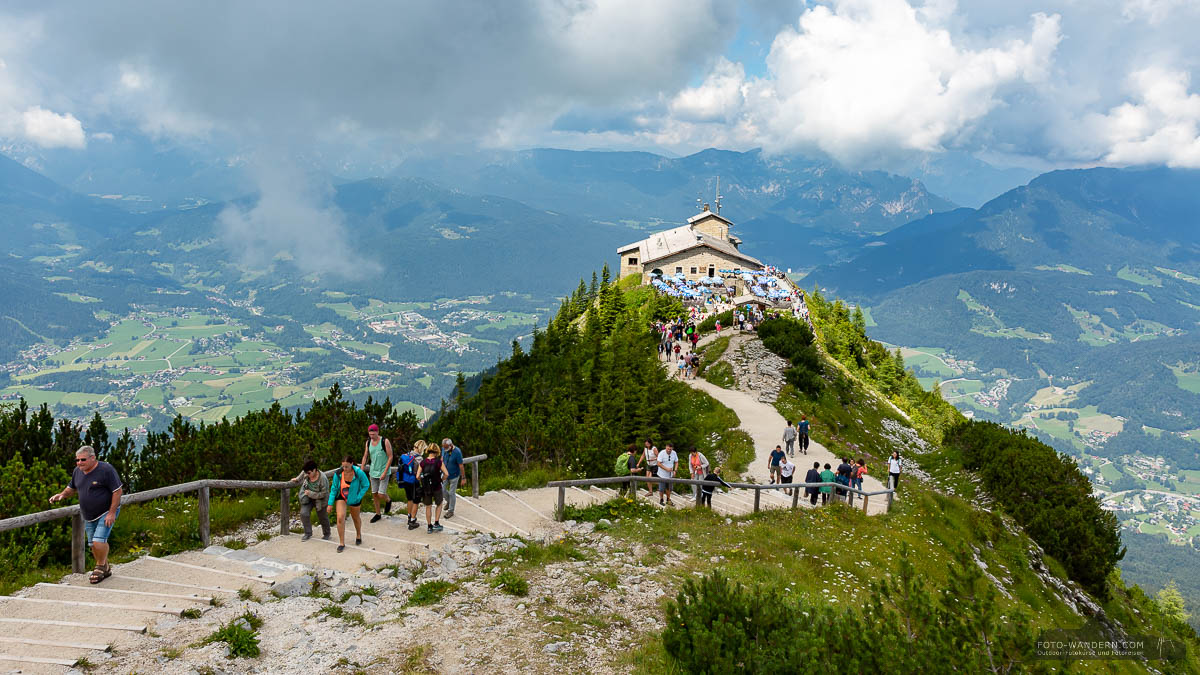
{"x":49,"y":628}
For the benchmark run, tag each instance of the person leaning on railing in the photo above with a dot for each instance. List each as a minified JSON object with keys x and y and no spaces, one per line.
{"x":99,"y":489}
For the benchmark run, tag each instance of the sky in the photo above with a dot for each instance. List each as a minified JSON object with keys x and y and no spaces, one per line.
{"x":356,"y":88}
{"x":864,"y":82}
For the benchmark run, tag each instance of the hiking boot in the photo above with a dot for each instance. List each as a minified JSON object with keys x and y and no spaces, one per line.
{"x":448,"y":514}
{"x":661,"y":502}
{"x":325,"y":537}
{"x":437,"y":527}
{"x":306,"y":537}
{"x":412,"y":524}
{"x":376,"y":518}
{"x":387,"y":508}
{"x":430,"y":530}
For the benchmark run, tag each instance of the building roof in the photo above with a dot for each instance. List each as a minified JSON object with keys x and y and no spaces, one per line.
{"x":708,"y":214}
{"x":680,"y":239}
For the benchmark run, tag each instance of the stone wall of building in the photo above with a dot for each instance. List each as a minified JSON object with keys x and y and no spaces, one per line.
{"x":694,"y":263}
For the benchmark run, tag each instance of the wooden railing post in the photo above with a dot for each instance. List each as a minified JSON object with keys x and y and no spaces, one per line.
{"x":757,"y":496}
{"x":562,"y":503}
{"x":285,"y":511}
{"x":865,"y":499}
{"x":633,"y":487}
{"x":78,"y":545}
{"x":890,"y":496}
{"x":202,"y":514}
{"x":475,"y":479}
{"x":795,"y":497}
{"x":697,"y":489}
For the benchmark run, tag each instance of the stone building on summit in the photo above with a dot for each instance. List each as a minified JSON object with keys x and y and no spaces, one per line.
{"x":701,"y":248}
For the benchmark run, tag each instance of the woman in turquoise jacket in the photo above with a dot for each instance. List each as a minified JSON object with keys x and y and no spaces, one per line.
{"x":346,"y":491}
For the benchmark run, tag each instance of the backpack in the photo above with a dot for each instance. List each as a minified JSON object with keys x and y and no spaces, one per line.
{"x":622,"y":466}
{"x":431,"y":480}
{"x":407,"y":471}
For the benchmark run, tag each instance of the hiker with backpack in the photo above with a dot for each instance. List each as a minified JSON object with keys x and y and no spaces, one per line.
{"x":406,"y":478}
{"x":859,"y":472}
{"x":802,"y":433}
{"x":430,"y":475}
{"x":628,"y":463}
{"x":827,"y":476}
{"x":350,"y":485}
{"x":377,"y":462}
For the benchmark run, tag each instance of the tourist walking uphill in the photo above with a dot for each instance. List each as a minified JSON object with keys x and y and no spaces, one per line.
{"x":99,"y":489}
{"x":813,"y":476}
{"x":407,"y":471}
{"x":314,"y":495}
{"x":350,"y":486}
{"x":377,"y":462}
{"x":802,"y":433}
{"x":789,"y":439}
{"x":431,"y":475}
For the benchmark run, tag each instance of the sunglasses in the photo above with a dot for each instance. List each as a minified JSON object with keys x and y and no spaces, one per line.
{"x":81,"y":459}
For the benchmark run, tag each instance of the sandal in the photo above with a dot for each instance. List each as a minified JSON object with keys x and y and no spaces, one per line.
{"x":100,"y":574}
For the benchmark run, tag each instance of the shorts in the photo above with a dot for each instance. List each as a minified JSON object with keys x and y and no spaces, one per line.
{"x":411,"y":494}
{"x":96,"y":532}
{"x":379,"y":485}
{"x":340,"y":498}
{"x":432,"y":497}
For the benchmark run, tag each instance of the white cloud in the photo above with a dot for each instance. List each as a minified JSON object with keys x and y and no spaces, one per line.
{"x":718,"y":99}
{"x":52,"y":130}
{"x":870,"y":77}
{"x":1162,"y":127}
{"x":1153,"y":11}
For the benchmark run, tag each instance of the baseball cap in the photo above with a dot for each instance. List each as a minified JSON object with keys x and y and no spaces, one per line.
{"x":373,"y":427}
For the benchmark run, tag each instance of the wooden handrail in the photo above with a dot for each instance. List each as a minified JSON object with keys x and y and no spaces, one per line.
{"x":203,"y":487}
{"x":632,"y":480}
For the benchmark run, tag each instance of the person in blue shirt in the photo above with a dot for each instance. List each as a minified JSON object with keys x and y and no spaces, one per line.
{"x":452,"y":459}
{"x":347,"y":488}
{"x":406,"y":478}
{"x":802,"y":430}
{"x":777,"y":456}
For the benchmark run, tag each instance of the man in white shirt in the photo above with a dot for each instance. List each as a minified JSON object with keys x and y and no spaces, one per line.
{"x":667,"y":461}
{"x":786,"y":470}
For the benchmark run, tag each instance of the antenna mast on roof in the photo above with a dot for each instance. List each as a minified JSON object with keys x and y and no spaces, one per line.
{"x":717,"y":201}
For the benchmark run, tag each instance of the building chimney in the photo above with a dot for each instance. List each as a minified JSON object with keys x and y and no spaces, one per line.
{"x":706,"y":207}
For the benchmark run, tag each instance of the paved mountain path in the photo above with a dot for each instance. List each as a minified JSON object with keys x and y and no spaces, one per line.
{"x":765,"y":426}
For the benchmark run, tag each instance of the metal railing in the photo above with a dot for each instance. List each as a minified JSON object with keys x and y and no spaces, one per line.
{"x":203,"y":488}
{"x":848,"y":491}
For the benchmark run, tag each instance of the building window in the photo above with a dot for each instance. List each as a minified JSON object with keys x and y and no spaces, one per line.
{"x":712,"y":271}
{"x":679,"y":270}
{"x":633,"y":261}
{"x":693,"y":270}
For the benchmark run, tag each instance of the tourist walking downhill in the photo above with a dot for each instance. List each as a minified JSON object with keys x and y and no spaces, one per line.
{"x":377,"y":463}
{"x":350,"y":485}
{"x":813,"y":476}
{"x":650,"y":455}
{"x":452,"y":459}
{"x":314,"y":496}
{"x":786,"y":471}
{"x":894,"y":470}
{"x":777,"y":456}
{"x":99,"y":489}
{"x":667,"y":461}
